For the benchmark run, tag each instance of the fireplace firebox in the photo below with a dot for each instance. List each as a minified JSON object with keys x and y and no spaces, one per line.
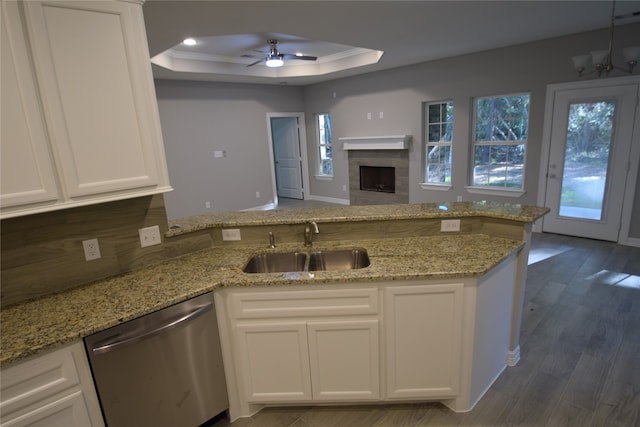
{"x":378,"y":178}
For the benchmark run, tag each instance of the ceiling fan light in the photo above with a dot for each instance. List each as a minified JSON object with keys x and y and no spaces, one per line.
{"x":274,"y":62}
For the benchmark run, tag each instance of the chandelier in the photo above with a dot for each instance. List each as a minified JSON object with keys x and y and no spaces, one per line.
{"x":601,"y":59}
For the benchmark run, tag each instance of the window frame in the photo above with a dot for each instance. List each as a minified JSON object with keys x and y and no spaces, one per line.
{"x":495,"y":189}
{"x":320,"y":144}
{"x":425,"y":183}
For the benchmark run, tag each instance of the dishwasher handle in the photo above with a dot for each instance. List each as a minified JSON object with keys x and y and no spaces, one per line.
{"x":119,"y":341}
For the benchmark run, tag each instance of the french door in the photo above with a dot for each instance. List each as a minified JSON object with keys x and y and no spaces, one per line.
{"x":589,"y":158}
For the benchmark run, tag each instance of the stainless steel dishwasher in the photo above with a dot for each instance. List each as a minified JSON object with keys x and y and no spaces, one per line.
{"x":163,"y":369}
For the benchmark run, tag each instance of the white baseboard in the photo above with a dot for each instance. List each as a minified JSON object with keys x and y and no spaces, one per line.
{"x":266,"y":207}
{"x":329,"y":200}
{"x":513,"y":357}
{"x":537,"y":226}
{"x":632,"y":241}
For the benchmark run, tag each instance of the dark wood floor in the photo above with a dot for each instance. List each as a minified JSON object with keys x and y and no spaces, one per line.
{"x":580,"y":353}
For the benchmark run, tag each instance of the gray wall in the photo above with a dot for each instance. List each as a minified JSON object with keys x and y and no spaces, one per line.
{"x":399,"y":94}
{"x":199,"y":118}
{"x":196,"y":117}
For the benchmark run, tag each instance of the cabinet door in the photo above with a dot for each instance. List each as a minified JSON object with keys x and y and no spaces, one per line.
{"x":423,"y":340}
{"x":55,"y":389}
{"x":273,"y":361}
{"x":344,"y":360}
{"x":26,"y":168}
{"x":70,"y":411}
{"x":93,"y":69}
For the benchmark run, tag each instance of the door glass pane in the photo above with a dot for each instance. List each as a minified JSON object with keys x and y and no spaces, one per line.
{"x":589,"y":132}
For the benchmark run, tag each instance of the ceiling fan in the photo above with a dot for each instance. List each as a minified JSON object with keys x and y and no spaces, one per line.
{"x":276,"y":59}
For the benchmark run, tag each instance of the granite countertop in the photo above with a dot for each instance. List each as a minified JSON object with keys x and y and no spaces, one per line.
{"x":509,"y":211}
{"x":55,"y":320}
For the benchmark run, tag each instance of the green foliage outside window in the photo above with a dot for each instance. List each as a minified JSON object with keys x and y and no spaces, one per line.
{"x":439,"y":135}
{"x":325,"y":155}
{"x":501,"y":129}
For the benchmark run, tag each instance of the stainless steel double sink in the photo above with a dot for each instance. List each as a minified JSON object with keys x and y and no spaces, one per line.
{"x":321,"y":260}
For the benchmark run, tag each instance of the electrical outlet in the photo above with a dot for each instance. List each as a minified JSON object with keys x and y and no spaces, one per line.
{"x":91,"y":249}
{"x":231,"y":234}
{"x":149,"y":236}
{"x":450,"y":225}
{"x":207,"y":205}
{"x":459,"y":198}
{"x":257,"y":194}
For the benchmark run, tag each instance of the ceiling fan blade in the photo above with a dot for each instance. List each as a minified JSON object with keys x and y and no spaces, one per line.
{"x":254,"y":63}
{"x":302,"y":57}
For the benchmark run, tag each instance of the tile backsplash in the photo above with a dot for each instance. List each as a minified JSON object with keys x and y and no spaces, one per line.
{"x":43,"y":253}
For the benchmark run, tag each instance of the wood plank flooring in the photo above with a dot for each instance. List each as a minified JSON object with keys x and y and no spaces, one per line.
{"x":580,"y":353}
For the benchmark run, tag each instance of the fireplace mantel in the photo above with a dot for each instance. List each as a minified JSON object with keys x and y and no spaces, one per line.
{"x":395,"y":142}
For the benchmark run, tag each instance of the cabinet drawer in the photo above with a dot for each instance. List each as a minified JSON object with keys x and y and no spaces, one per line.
{"x":38,"y":379}
{"x":69,"y":411}
{"x":250,"y":305}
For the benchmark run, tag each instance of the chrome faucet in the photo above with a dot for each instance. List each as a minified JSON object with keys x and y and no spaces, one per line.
{"x":310,"y":229}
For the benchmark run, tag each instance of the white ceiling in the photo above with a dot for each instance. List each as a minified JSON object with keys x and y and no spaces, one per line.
{"x":408,"y":32}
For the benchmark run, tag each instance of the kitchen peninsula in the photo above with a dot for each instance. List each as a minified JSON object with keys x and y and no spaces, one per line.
{"x":407,"y":250}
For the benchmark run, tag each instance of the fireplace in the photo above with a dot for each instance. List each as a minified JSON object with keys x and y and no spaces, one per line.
{"x":378,"y":178}
{"x":378,"y":169}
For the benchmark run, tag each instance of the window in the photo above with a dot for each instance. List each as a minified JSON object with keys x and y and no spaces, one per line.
{"x":438,"y":122}
{"x":325,"y":159}
{"x":499,"y":143}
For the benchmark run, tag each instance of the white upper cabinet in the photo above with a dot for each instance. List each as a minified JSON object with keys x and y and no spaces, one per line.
{"x":91,"y":64}
{"x":26,"y":164}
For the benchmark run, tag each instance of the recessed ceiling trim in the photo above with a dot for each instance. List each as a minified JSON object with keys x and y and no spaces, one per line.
{"x":340,"y":58}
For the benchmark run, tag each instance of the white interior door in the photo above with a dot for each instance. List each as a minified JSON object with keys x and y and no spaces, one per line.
{"x":589,"y":159}
{"x":287,"y":157}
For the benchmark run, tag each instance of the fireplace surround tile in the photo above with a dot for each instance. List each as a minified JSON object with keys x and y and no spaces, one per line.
{"x":398,"y":159}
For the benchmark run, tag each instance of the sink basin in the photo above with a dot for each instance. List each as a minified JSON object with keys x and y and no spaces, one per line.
{"x":276,"y":262}
{"x":341,"y":259}
{"x":329,"y":260}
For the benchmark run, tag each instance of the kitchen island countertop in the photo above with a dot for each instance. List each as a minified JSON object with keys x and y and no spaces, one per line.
{"x":507,"y":211}
{"x":55,"y":320}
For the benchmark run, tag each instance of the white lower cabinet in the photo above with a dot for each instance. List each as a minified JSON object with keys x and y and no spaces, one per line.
{"x":423,"y":329}
{"x":274,"y":361}
{"x":344,"y":360}
{"x":430,"y":340}
{"x":302,"y":346}
{"x":298,"y":361}
{"x":53,"y":390}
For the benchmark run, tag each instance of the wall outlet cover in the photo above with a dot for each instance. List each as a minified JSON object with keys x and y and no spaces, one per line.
{"x":149,"y":236}
{"x":447,"y":225}
{"x":229,"y":234}
{"x":91,"y":249}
